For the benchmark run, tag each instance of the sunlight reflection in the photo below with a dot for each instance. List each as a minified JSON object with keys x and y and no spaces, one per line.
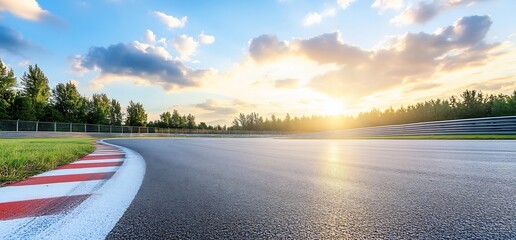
{"x":332,"y":164}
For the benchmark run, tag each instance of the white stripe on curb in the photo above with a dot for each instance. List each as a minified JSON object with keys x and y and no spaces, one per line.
{"x":78,"y":171}
{"x":20,"y":193}
{"x":99,"y":161}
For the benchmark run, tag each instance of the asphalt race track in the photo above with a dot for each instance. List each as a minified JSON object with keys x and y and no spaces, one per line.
{"x":274,"y":188}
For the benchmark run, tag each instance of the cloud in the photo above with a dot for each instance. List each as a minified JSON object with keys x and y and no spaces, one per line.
{"x":423,"y":86}
{"x":266,"y":47}
{"x":186,"y":46}
{"x":329,"y":48}
{"x":26,"y":9}
{"x":219,"y":108}
{"x":24,"y":63}
{"x":409,"y":58}
{"x":345,"y":3}
{"x":425,"y":11}
{"x":286,"y":83}
{"x":12,"y":41}
{"x":131,"y":61}
{"x":316,"y":18}
{"x":206,"y":39}
{"x":171,"y":21}
{"x":149,"y":37}
{"x":495,"y":84}
{"x":387,"y":4}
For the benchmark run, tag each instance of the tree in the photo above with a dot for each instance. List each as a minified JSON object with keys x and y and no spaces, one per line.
{"x":99,"y":112}
{"x":177,"y":120}
{"x":203,"y":125}
{"x":472,"y":104}
{"x":136,"y":115}
{"x":165,"y":120}
{"x":190,"y":121}
{"x":7,"y":94}
{"x":23,"y":109}
{"x":115,"y":113}
{"x":68,"y":101}
{"x":35,"y":87}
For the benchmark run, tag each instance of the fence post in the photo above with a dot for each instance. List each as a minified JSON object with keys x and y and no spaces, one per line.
{"x":122,"y":129}
{"x":85,"y":127}
{"x":17,"y":124}
{"x":139,"y":130}
{"x":98,"y":128}
{"x":37,"y":125}
{"x":71,"y":127}
{"x":147,"y":130}
{"x":55,"y":126}
{"x":110,"y":129}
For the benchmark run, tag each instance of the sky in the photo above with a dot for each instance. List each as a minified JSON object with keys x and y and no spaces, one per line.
{"x":216,"y":59}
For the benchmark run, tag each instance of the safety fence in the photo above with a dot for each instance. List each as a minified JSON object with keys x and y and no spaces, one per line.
{"x":38,"y":126}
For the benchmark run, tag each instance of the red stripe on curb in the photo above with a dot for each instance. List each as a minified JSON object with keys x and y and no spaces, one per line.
{"x":64,"y":178}
{"x":90,"y":165}
{"x":100,"y":157}
{"x":39,"y":207}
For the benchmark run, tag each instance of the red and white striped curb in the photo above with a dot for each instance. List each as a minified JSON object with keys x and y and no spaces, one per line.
{"x":44,"y":205}
{"x":56,"y":191}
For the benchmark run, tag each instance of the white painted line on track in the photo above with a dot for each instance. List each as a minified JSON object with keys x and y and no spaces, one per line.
{"x":78,"y":171}
{"x":20,"y":193}
{"x":92,"y":219}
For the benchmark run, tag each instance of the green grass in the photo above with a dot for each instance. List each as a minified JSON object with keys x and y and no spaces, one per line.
{"x":22,"y":158}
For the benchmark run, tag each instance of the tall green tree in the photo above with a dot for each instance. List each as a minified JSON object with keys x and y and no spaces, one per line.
{"x":7,"y":93}
{"x":136,"y":115}
{"x":68,"y":101}
{"x":23,"y":109}
{"x":35,"y":87}
{"x":115,"y":113}
{"x":99,"y":111}
{"x":203,"y":125}
{"x":177,"y":120}
{"x":190,"y":121}
{"x":165,"y":120}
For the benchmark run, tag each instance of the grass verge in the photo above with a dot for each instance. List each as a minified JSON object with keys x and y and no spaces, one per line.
{"x":22,"y":158}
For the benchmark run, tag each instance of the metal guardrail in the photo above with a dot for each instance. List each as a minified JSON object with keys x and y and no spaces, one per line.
{"x":488,"y":125}
{"x":38,"y":126}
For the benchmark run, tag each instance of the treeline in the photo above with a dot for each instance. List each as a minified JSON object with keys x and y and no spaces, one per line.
{"x":470,"y":104}
{"x":175,"y":120}
{"x":32,"y":99}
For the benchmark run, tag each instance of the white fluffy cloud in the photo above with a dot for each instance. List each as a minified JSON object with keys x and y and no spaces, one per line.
{"x":149,"y":37}
{"x":387,"y":4}
{"x":122,"y":62}
{"x":185,"y":45}
{"x":206,"y":39}
{"x":409,"y":58}
{"x":26,"y":9}
{"x":344,"y":3}
{"x":315,"y":17}
{"x":171,"y":21}
{"x":147,"y":62}
{"x":425,"y":11}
